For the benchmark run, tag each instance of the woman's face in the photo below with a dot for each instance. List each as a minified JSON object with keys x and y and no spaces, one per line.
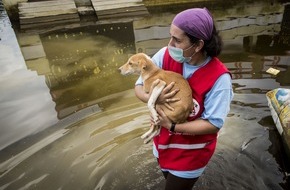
{"x":180,"y":40}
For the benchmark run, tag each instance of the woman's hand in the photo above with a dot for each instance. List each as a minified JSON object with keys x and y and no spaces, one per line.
{"x":167,"y":93}
{"x":163,"y":119}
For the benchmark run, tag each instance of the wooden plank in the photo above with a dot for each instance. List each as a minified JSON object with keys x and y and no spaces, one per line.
{"x":133,"y":13}
{"x":48,"y":8}
{"x":112,"y":12}
{"x":113,"y":4}
{"x":119,"y":8}
{"x":140,"y":11}
{"x":44,"y":3}
{"x":49,"y":24}
{"x":108,"y":7}
{"x":116,"y":1}
{"x":122,"y":10}
{"x":48,"y":18}
{"x":46,"y":13}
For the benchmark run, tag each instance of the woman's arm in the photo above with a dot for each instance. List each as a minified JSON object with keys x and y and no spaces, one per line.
{"x":196,"y":127}
{"x":217,"y":105}
{"x":141,"y":94}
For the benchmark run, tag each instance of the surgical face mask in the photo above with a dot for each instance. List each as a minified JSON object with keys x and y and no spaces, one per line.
{"x":177,"y":54}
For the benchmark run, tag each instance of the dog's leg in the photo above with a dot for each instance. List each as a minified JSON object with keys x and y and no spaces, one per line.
{"x":152,"y":100}
{"x":147,"y":134}
{"x":156,"y":131}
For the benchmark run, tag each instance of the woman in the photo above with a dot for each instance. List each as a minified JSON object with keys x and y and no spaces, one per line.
{"x":183,"y":150}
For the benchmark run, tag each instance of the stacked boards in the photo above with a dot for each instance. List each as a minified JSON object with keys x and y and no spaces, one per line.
{"x":112,"y":9}
{"x":47,"y":13}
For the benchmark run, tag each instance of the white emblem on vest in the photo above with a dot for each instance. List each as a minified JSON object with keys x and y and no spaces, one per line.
{"x":195,"y":109}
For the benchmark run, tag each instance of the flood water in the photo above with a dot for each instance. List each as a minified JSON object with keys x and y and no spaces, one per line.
{"x":69,"y":120}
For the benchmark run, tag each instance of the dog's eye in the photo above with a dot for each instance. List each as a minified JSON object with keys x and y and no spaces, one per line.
{"x":130,"y":63}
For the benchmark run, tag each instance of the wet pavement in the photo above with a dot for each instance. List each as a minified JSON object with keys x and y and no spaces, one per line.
{"x":80,"y":122}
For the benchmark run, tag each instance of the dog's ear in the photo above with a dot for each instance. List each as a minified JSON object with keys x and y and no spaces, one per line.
{"x":143,"y":64}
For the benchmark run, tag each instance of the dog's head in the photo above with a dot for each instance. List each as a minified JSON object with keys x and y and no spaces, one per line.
{"x":136,"y":64}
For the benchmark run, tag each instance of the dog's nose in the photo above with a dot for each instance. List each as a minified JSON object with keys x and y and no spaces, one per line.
{"x":120,"y":69}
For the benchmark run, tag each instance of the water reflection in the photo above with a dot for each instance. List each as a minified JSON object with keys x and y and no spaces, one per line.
{"x":89,"y":57}
{"x":104,"y":150}
{"x":20,"y":89}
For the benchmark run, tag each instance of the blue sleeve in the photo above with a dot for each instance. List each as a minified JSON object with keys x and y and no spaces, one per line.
{"x":157,"y":59}
{"x":217,"y":101}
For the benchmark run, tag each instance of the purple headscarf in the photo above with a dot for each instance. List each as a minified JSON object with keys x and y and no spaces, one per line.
{"x":197,"y":22}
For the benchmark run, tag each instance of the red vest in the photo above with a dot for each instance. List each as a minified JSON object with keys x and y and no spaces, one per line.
{"x":188,"y":152}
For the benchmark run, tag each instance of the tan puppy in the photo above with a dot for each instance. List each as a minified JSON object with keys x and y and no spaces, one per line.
{"x":178,"y":111}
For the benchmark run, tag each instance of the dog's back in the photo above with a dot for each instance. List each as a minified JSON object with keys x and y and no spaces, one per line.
{"x":184,"y":106}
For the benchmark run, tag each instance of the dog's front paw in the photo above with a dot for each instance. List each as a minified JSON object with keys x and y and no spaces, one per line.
{"x":147,"y":140}
{"x":156,"y":120}
{"x":144,"y":136}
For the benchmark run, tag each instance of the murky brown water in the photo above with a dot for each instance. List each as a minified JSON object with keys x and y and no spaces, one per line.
{"x":94,"y":121}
